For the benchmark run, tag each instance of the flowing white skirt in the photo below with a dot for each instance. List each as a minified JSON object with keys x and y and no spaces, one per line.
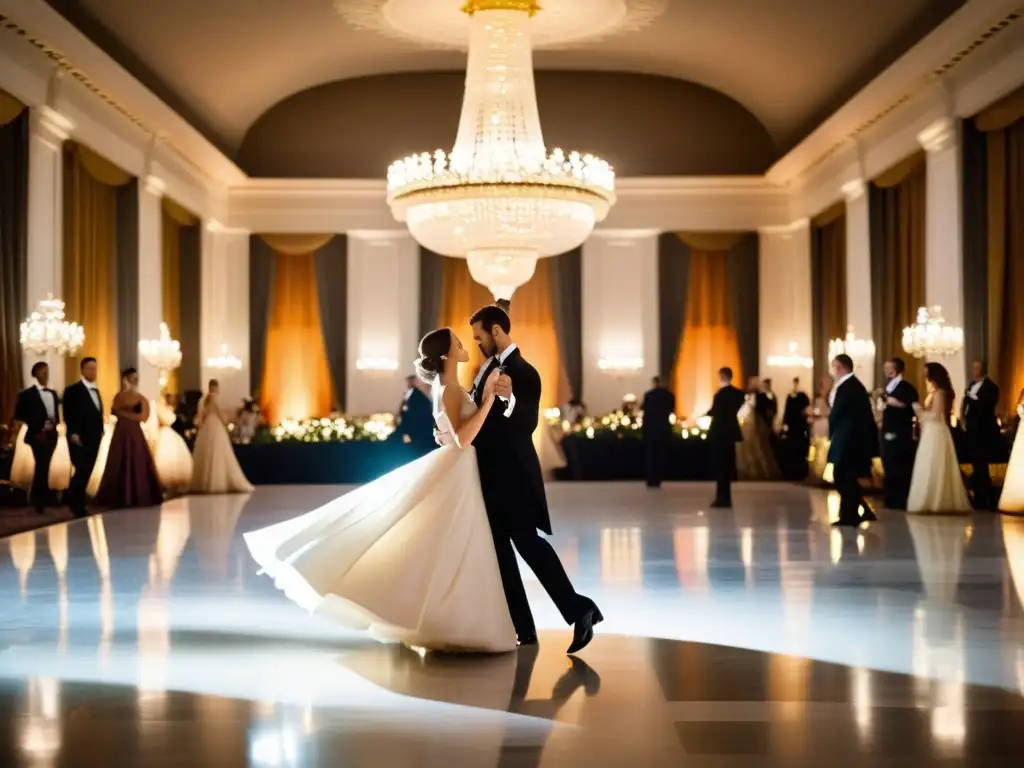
{"x":215,"y":468}
{"x":408,"y":557}
{"x":1012,"y":497}
{"x":173,"y":460}
{"x":936,"y":486}
{"x":23,"y":464}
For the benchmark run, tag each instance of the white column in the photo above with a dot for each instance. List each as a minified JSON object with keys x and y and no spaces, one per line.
{"x":383,"y":319}
{"x":785,"y":314}
{"x":619,"y":315}
{"x":224,"y":307}
{"x":151,"y":305}
{"x":944,"y":278}
{"x":49,"y":130}
{"x":858,"y":273}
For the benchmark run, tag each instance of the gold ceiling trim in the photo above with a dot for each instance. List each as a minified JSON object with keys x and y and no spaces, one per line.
{"x":935,"y":74}
{"x":68,"y":66}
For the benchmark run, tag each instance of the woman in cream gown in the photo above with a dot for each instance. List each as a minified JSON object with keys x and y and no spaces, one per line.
{"x":409,"y":557}
{"x":819,"y":429}
{"x":1012,"y":497}
{"x":936,"y":485}
{"x":215,"y":468}
{"x":170,"y":451}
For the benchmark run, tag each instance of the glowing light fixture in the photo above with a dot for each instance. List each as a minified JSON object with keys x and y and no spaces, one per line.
{"x":852,"y":346}
{"x":46,"y":332}
{"x":164,"y":353}
{"x":930,"y":337}
{"x":224,"y":361}
{"x":792,"y":360}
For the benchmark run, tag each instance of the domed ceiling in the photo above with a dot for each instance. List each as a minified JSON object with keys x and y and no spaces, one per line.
{"x":222,"y":64}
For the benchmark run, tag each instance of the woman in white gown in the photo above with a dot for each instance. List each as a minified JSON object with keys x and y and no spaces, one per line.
{"x":936,"y":485}
{"x":215,"y":468}
{"x":410,"y":556}
{"x":1012,"y":497}
{"x":170,"y":451}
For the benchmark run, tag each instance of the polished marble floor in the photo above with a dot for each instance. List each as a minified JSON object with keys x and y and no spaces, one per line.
{"x":753,"y":637}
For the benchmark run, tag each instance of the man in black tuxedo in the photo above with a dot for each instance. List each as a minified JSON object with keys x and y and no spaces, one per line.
{"x":723,"y":435}
{"x":851,"y":425}
{"x":83,"y":412}
{"x":415,"y":419}
{"x":898,"y":446}
{"x":796,"y":437}
{"x":659,"y":405}
{"x":513,"y":484}
{"x":767,"y":404}
{"x":38,"y":408}
{"x":981,"y":432}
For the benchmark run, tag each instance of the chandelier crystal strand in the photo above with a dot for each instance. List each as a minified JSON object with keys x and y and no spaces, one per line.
{"x":499,"y":199}
{"x":852,"y":346}
{"x":164,"y":353}
{"x":930,"y":337}
{"x":46,"y":331}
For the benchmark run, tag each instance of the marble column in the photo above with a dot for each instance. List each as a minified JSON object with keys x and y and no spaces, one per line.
{"x":49,"y":129}
{"x":858,"y":273}
{"x":619,"y":315}
{"x":224,"y":308}
{"x":382,"y":317}
{"x":151,"y":312}
{"x":785,"y":309}
{"x":944,"y":279}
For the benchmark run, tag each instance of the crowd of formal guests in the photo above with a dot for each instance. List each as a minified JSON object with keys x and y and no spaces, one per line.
{"x":132,"y":459}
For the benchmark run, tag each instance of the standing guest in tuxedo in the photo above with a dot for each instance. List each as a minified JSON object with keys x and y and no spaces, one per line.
{"x":854,"y":441}
{"x":796,"y":432}
{"x":898,"y":446}
{"x":767,"y":404}
{"x":723,"y":435}
{"x":659,"y":405}
{"x":39,"y":410}
{"x":981,"y":432}
{"x":83,"y":414}
{"x":415,"y":418}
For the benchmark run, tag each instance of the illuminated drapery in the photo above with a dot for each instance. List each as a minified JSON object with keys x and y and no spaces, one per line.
{"x":14,"y":140}
{"x":828,"y":284}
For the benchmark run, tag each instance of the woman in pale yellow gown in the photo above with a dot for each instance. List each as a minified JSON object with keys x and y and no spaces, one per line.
{"x":170,"y":452}
{"x":819,"y":430}
{"x":1012,"y":498}
{"x":936,"y":485}
{"x":214,"y":466}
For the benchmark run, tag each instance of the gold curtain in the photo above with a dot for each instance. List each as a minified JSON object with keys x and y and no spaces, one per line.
{"x":709,"y":339}
{"x":179,"y":213}
{"x":10,"y":107}
{"x":296,"y":245}
{"x":1005,"y":236}
{"x":712,"y":241}
{"x":903,"y":211}
{"x":296,"y":381}
{"x":832,"y":255}
{"x":533,"y":324}
{"x":90,"y":242}
{"x":170,"y":282}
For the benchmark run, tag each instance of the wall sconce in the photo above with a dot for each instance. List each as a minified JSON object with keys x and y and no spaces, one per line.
{"x":620,"y":365}
{"x":377,"y":364}
{"x":792,"y":360}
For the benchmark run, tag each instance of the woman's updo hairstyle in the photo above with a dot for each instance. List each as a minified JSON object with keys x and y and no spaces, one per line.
{"x":433,"y":348}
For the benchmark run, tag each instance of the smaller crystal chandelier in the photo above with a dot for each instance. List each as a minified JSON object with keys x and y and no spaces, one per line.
{"x":792,"y":360}
{"x":46,"y":331}
{"x":164,"y":353}
{"x":851,"y":345}
{"x":224,"y":361}
{"x":930,"y":337}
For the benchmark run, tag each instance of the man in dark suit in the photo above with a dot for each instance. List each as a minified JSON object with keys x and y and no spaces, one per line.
{"x":851,"y":425}
{"x":513,"y":484}
{"x":768,"y":405}
{"x":981,"y":432}
{"x":83,"y":412}
{"x":414,"y":423}
{"x":39,"y":410}
{"x":659,"y":405}
{"x":723,"y":435}
{"x":796,"y":439}
{"x":898,"y":446}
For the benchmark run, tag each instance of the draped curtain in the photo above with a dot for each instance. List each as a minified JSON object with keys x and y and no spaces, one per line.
{"x":90,"y":259}
{"x":13,"y":247}
{"x":673,"y":290}
{"x":1003,"y":128}
{"x":180,"y":290}
{"x":743,"y":273}
{"x":262,"y":264}
{"x":897,"y":201}
{"x":567,"y":298}
{"x":431,"y":289}
{"x":332,"y":292}
{"x":127,"y":275}
{"x":828,"y":284}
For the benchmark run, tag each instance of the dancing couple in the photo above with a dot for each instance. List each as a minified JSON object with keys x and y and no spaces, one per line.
{"x":424,"y":555}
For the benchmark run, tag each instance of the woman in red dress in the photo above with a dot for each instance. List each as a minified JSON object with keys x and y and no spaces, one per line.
{"x":129,"y":477}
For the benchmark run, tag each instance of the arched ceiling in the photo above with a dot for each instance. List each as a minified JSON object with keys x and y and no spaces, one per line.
{"x":223,"y":63}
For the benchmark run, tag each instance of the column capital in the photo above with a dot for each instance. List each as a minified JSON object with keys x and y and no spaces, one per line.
{"x":215,"y":227}
{"x":785,"y":230}
{"x":938,"y":136}
{"x":51,"y":127}
{"x":854,"y":189}
{"x":155,"y":186}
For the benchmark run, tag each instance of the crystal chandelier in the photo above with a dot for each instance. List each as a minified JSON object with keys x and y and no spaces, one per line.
{"x":499,"y":199}
{"x":792,"y":360}
{"x":46,"y":331}
{"x":852,"y":346}
{"x":224,"y":361}
{"x":930,"y":337}
{"x":164,"y":353}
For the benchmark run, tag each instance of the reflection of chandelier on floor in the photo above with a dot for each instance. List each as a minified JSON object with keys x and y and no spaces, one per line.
{"x":930,"y":337}
{"x":164,"y":353}
{"x":499,"y":199}
{"x":46,"y":332}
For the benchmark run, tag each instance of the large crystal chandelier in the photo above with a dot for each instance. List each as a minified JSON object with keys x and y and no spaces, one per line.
{"x":930,"y":337}
{"x":164,"y":353}
{"x":224,"y":361}
{"x":858,"y":349}
{"x":499,"y":199}
{"x":46,"y":332}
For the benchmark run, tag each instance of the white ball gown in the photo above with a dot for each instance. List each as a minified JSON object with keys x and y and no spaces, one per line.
{"x":408,"y":557}
{"x":1012,"y":497}
{"x":170,"y":451}
{"x":215,"y":468}
{"x":936,"y":486}
{"x":23,"y":463}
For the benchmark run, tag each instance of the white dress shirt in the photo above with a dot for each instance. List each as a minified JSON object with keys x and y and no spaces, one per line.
{"x":893,"y":383}
{"x":835,"y":388}
{"x":972,"y":392}
{"x":94,"y":393}
{"x":501,"y":361}
{"x":49,"y":401}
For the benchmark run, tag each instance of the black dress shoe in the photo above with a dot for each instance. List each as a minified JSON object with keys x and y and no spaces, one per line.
{"x":847,"y":523}
{"x":721,"y":505}
{"x":583,"y":629}
{"x":868,"y":516}
{"x":528,"y":639}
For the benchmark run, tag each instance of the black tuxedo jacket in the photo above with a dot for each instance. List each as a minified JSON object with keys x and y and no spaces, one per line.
{"x":510,"y":473}
{"x":31,"y":411}
{"x":979,"y":421}
{"x":794,"y":416}
{"x":416,"y":419}
{"x":767,"y":407}
{"x":900,"y":421}
{"x":724,"y":413}
{"x":659,"y":404}
{"x":82,"y":416}
{"x":851,"y":426}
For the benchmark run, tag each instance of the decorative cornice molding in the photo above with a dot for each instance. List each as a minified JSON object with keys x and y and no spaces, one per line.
{"x":50,"y":126}
{"x":786,"y":230}
{"x":215,"y":227}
